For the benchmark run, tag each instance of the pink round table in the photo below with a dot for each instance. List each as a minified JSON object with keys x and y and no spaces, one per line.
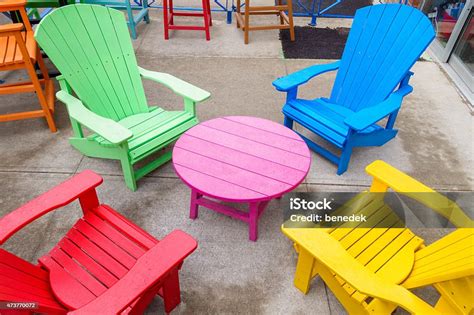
{"x":240,"y":159}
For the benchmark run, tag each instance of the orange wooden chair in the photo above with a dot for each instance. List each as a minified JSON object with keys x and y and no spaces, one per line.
{"x":18,"y":50}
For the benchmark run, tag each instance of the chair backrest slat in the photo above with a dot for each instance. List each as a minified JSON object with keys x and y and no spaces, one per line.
{"x":383,"y":44}
{"x":90,"y":46}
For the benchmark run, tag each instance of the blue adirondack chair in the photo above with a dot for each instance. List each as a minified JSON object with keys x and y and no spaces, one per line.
{"x":132,"y":19}
{"x":383,"y":44}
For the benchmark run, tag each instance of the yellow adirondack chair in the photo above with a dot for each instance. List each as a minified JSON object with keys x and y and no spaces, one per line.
{"x":370,"y":270}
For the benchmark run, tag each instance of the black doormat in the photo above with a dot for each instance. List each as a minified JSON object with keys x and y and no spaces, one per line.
{"x":346,"y":7}
{"x":314,"y":43}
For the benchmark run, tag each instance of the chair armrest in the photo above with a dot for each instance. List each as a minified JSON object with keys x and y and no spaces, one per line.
{"x":368,"y":116}
{"x":395,"y":179}
{"x":11,"y":5}
{"x":106,"y":128}
{"x":297,"y":78}
{"x":59,"y":196}
{"x":149,"y":269}
{"x":178,"y":86}
{"x":7,"y":29}
{"x":331,"y":254}
{"x":400,"y":182}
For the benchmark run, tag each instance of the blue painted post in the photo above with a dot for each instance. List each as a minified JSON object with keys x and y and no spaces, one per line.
{"x":391,"y":120}
{"x":131,"y":20}
{"x":291,"y":94}
{"x":288,"y":122}
{"x":345,"y":156}
{"x":313,"y":14}
{"x":147,"y":15}
{"x":229,"y":11}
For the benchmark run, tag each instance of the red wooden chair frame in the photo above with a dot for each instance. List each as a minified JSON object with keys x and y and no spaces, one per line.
{"x":169,"y":14}
{"x":63,"y":281}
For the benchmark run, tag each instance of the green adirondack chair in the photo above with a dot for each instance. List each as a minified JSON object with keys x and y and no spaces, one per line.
{"x":90,"y":46}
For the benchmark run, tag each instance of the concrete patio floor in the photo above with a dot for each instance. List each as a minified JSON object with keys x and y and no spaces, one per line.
{"x":227,"y":274}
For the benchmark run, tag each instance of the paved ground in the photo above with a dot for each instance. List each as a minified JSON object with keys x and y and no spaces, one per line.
{"x":228,"y":274}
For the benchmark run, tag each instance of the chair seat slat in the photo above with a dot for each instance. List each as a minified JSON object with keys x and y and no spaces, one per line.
{"x":126,"y":227}
{"x":105,"y":243}
{"x":97,"y":253}
{"x":114,"y":235}
{"x":77,"y":272}
{"x":69,"y":291}
{"x":93,"y":267}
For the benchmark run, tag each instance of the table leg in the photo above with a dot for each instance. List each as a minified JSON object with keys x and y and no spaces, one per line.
{"x":253,"y":220}
{"x":246,"y":22}
{"x":237,"y":10}
{"x":205,"y":14}
{"x":166,"y":21}
{"x":171,"y":13}
{"x":193,"y":210}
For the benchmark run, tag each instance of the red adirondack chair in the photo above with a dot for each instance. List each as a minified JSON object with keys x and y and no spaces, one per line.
{"x":104,"y":265}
